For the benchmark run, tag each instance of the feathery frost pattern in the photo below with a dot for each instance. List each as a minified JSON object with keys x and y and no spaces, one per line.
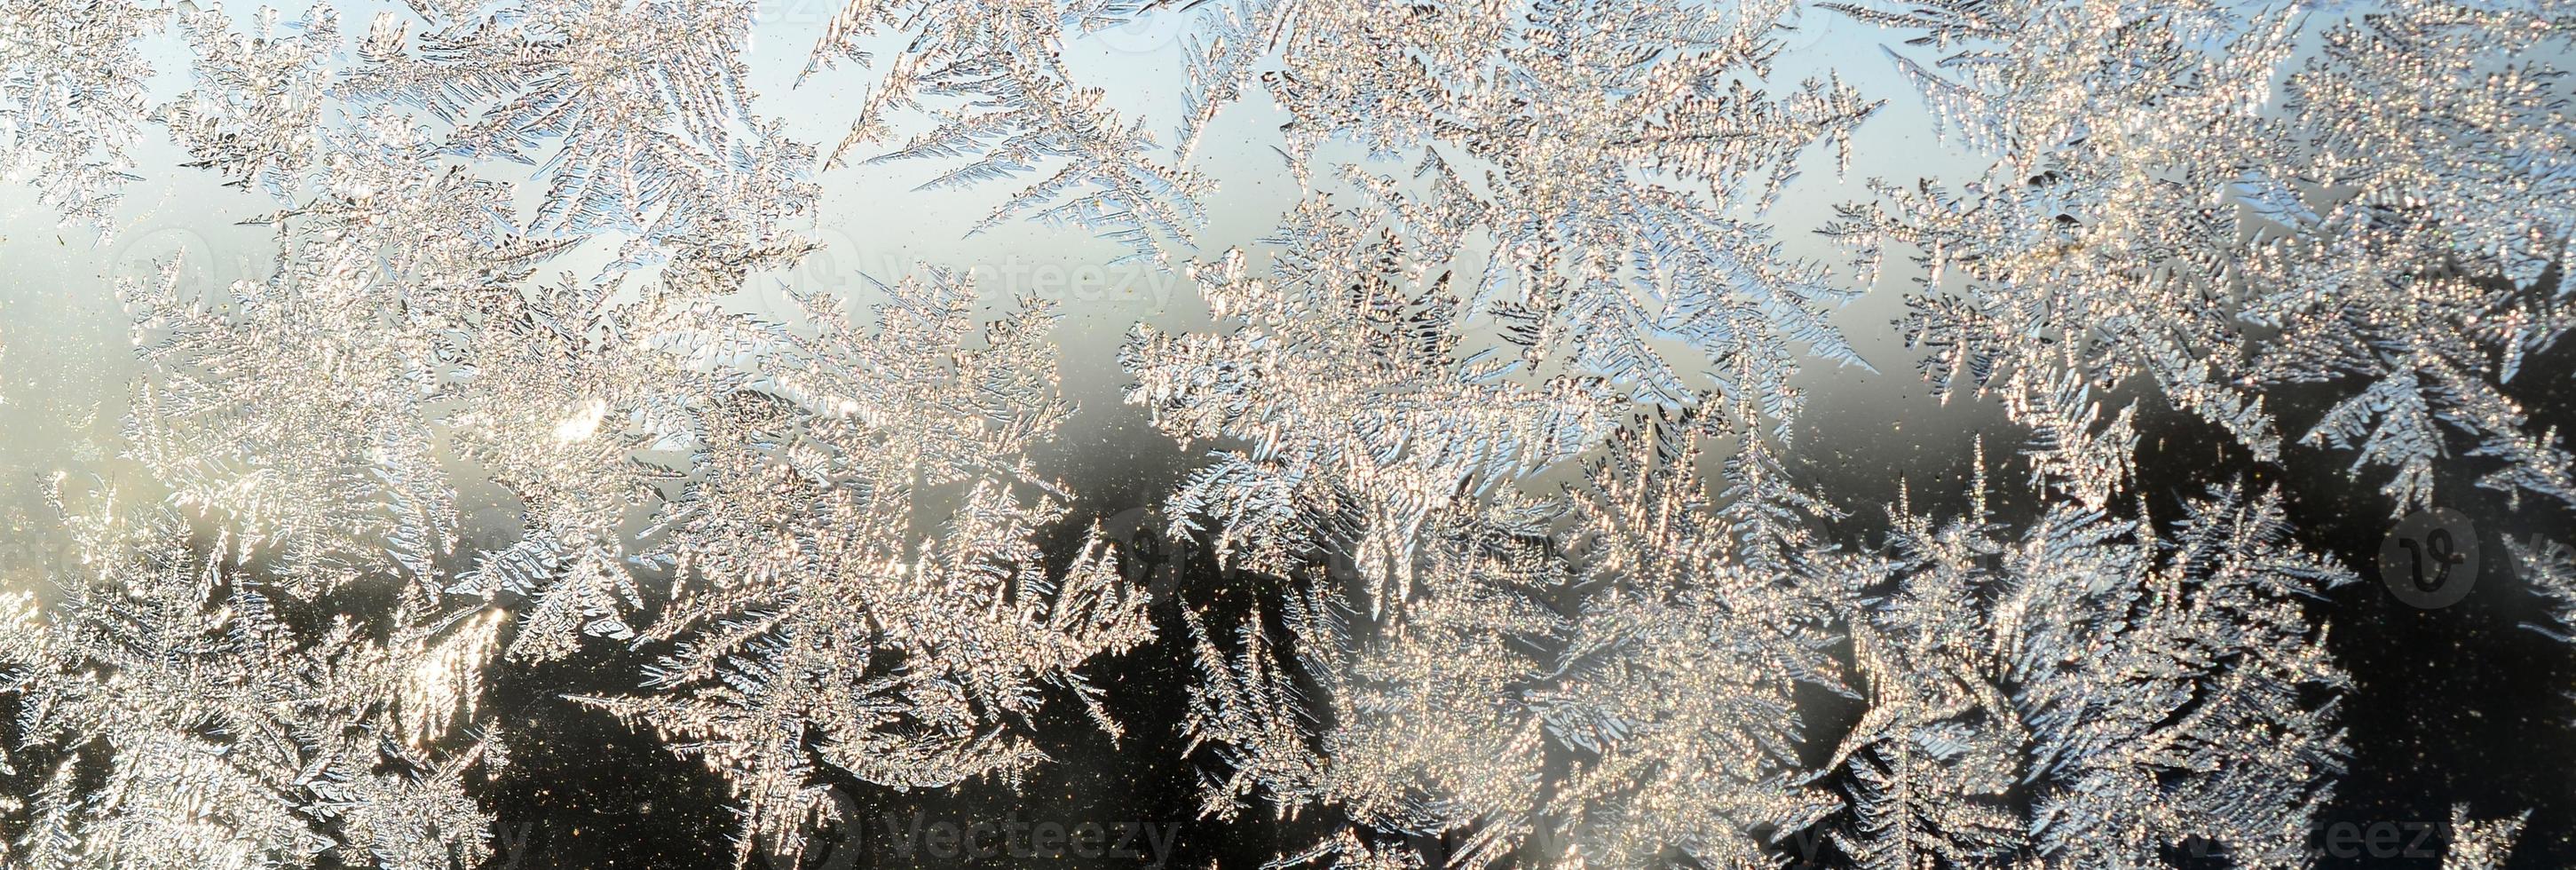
{"x":1498,"y":428}
{"x":2215,"y":214}
{"x":1600,"y":678}
{"x":2070,"y":694}
{"x":225,"y":736}
{"x":783,"y":474}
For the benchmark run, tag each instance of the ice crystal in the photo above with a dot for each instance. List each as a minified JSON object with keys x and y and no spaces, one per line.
{"x":828,"y":630}
{"x":1637,"y":640}
{"x":1363,"y":417}
{"x":258,"y":103}
{"x":1502,"y":407}
{"x":1622,"y":686}
{"x":1017,"y":107}
{"x":1592,"y":166}
{"x":304,"y":407}
{"x":627,"y":103}
{"x":72,"y":100}
{"x":780,"y":475}
{"x":1592,"y":190}
{"x":2067,"y":694}
{"x":2481,"y":844}
{"x":188,"y":722}
{"x":2216,"y":219}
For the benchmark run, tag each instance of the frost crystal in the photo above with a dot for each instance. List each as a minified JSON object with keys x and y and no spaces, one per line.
{"x":778,"y":472}
{"x":1593,"y":197}
{"x":829,"y":630}
{"x":1636,"y":641}
{"x":2217,"y":219}
{"x":1593,"y":166}
{"x":190,"y":723}
{"x":1018,"y":107}
{"x":2069,"y":694}
{"x":72,"y":100}
{"x":1519,"y":563}
{"x":2481,"y":845}
{"x":1363,"y":417}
